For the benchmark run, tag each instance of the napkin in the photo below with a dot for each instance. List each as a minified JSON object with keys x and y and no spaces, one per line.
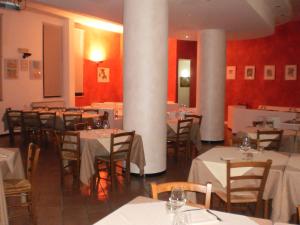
{"x":199,"y":217}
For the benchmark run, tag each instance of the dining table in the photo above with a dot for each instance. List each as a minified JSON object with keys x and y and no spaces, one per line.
{"x":11,"y":167}
{"x":289,"y":142}
{"x":211,"y":167}
{"x":147,"y":211}
{"x":96,"y":142}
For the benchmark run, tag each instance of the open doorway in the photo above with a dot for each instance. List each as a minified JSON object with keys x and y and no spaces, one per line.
{"x":183,"y":83}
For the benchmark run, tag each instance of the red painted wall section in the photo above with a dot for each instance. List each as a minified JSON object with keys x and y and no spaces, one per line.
{"x":172,"y":70}
{"x":110,"y":44}
{"x":280,"y":49}
{"x":188,"y":50}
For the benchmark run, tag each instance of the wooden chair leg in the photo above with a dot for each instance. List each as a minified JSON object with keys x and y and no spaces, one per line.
{"x":266,"y":208}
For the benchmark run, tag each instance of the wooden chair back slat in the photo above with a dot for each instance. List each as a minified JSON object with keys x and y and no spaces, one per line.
{"x":186,"y":186}
{"x":262,"y":137}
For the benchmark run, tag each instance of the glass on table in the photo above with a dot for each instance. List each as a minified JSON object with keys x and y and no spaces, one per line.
{"x":176,"y":200}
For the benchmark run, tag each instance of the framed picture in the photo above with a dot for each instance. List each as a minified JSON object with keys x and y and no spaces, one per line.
{"x":35,"y":71}
{"x":269,"y":72}
{"x":230,"y":72}
{"x":249,"y":72}
{"x":11,"y":68}
{"x":290,"y":72}
{"x":185,"y":81}
{"x":103,"y":75}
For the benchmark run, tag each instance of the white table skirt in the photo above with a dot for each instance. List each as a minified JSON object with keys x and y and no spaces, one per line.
{"x":8,"y":172}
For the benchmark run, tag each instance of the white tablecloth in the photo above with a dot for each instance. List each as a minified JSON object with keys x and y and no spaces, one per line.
{"x":145,"y":211}
{"x":10,"y":167}
{"x":210,"y":167}
{"x":97,"y":142}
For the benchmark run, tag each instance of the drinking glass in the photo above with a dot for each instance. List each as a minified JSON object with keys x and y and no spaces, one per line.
{"x":245,"y":147}
{"x":177,"y":198}
{"x":180,"y":218}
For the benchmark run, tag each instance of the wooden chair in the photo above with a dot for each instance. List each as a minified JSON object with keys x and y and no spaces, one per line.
{"x":261,"y":123}
{"x":120,"y":150}
{"x":182,"y":137}
{"x":48,"y":124}
{"x":186,"y":186}
{"x":269,"y":140}
{"x":91,"y":111}
{"x":17,"y":189}
{"x":246,"y":188}
{"x":70,"y":119}
{"x":74,"y":109}
{"x":198,"y":120}
{"x":31,"y":126}
{"x":104,"y":120}
{"x":56,"y":109}
{"x":70,"y":155}
{"x":14,"y":123}
{"x":298,"y":212}
{"x":80,"y":126}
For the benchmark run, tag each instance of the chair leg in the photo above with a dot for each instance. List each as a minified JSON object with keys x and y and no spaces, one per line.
{"x":266,"y":208}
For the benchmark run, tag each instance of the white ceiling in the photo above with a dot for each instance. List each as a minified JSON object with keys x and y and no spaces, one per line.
{"x":240,"y":18}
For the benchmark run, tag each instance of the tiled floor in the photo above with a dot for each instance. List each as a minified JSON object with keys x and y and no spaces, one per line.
{"x":70,"y":206}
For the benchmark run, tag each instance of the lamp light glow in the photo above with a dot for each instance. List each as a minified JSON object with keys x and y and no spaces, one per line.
{"x":185,"y":73}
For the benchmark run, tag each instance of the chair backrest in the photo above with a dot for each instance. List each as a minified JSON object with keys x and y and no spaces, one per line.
{"x":70,"y":119}
{"x":80,"y":126}
{"x":91,"y":111}
{"x":74,"y":109}
{"x":121,"y":143}
{"x":56,"y":109}
{"x":196,"y":118}
{"x":259,"y":176}
{"x":14,"y":118}
{"x":33,"y":154}
{"x":184,"y":129}
{"x":261,"y":123}
{"x":186,"y":186}
{"x":269,"y":140}
{"x":47,"y":119}
{"x":104,"y":119}
{"x":69,"y":142}
{"x":30,"y":119}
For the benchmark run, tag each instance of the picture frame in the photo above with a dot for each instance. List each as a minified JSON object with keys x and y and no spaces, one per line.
{"x":290,"y":72}
{"x":35,"y":69}
{"x":231,"y":72}
{"x":103,"y":74}
{"x":269,"y":72}
{"x":249,"y":72}
{"x":11,"y":68}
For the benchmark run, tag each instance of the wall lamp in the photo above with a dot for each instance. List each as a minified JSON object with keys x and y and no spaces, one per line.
{"x":25,"y":52}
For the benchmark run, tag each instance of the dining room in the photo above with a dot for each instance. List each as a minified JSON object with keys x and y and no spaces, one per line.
{"x":106,"y":104}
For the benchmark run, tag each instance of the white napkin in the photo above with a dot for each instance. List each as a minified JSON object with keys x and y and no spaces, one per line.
{"x":199,"y":217}
{"x":7,"y":155}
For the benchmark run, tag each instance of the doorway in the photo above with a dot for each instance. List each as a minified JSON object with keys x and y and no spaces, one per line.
{"x":183,"y":82}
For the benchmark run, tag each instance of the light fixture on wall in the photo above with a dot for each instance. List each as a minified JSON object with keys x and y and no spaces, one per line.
{"x":25,"y":52}
{"x":13,"y":4}
{"x":97,"y":56}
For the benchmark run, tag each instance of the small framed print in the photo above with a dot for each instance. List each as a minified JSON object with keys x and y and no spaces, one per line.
{"x":11,"y":68}
{"x":103,"y":75}
{"x":249,"y":72}
{"x":290,"y":72}
{"x":35,"y":70}
{"x":230,"y":72}
{"x":269,"y":72}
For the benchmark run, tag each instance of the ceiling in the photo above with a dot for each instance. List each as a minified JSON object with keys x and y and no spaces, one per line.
{"x":241,"y":19}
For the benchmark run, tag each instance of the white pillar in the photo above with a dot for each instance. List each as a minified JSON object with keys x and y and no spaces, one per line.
{"x":211,"y":83}
{"x":145,"y":77}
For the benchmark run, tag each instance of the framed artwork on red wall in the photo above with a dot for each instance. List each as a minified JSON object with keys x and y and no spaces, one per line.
{"x":103,"y":75}
{"x":269,"y":72}
{"x":230,"y":72}
{"x":249,"y":72}
{"x":290,"y":72}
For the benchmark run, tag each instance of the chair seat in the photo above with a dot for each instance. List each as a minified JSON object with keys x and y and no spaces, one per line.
{"x":117,"y":157}
{"x":242,"y":198}
{"x":16,"y":186}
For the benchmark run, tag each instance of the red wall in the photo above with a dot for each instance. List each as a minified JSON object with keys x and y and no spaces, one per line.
{"x":172,"y":70}
{"x":188,"y":50}
{"x":280,"y":49}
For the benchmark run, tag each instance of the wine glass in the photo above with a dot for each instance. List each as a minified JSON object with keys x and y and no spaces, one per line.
{"x":177,"y":198}
{"x":246,"y":146}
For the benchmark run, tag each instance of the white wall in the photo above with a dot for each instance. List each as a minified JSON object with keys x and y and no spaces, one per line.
{"x":23,"y":30}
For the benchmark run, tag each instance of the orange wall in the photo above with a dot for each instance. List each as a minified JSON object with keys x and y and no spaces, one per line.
{"x":111,"y":44}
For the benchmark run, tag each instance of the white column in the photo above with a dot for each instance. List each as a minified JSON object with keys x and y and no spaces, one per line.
{"x":145,"y":77}
{"x":211,"y":83}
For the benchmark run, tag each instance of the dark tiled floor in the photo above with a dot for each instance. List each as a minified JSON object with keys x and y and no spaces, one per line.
{"x":55,"y":205}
